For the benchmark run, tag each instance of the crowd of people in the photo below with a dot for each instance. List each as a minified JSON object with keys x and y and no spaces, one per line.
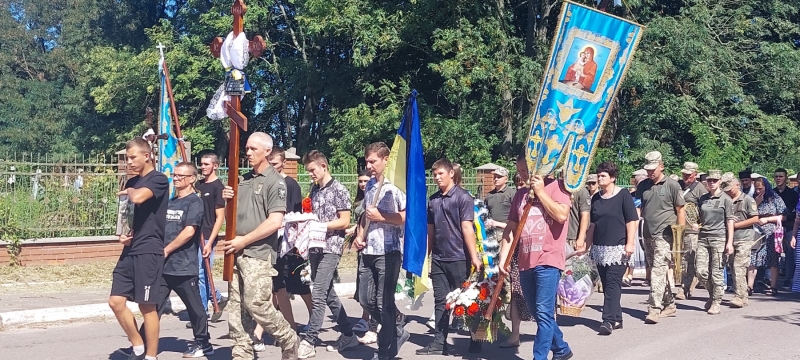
{"x":739,"y":223}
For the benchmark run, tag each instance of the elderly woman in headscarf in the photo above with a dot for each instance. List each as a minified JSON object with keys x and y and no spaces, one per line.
{"x":771,"y":211}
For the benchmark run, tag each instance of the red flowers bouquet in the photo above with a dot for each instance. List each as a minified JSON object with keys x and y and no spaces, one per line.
{"x":471,"y":302}
{"x":307,"y":205}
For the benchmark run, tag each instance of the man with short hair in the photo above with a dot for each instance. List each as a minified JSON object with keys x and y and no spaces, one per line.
{"x":579,"y":214}
{"x":692,"y":191}
{"x":137,"y":274}
{"x":662,"y":206}
{"x":452,"y":247}
{"x":261,"y":205}
{"x":745,"y":211}
{"x":498,"y":201}
{"x":210,"y":190}
{"x":380,"y":244}
{"x":330,"y":202}
{"x":181,"y":270}
{"x":288,"y":280}
{"x":591,"y":185}
{"x":790,"y":198}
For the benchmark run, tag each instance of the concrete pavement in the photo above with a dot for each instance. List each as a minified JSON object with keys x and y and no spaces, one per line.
{"x":769,"y":328}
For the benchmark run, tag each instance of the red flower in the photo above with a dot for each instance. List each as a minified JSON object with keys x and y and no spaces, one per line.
{"x":459,"y":310}
{"x":569,"y":272}
{"x":484,"y":294}
{"x":465,"y":284}
{"x":473,"y":309}
{"x":307,"y":205}
{"x":447,"y":306}
{"x":484,"y":285}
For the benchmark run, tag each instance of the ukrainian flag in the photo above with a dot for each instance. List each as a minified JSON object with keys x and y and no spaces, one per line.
{"x":168,"y":155}
{"x":406,"y":170}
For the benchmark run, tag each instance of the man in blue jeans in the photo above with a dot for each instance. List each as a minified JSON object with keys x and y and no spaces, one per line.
{"x":541,"y":255}
{"x":210,"y":190}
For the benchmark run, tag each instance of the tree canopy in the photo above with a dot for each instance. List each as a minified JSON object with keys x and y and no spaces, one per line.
{"x":714,"y":82}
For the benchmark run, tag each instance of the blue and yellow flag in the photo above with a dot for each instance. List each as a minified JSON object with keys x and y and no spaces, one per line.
{"x":168,"y":154}
{"x":406,"y":170}
{"x":591,"y":54}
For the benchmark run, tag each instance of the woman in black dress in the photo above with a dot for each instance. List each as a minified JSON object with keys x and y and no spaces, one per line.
{"x":611,"y":235}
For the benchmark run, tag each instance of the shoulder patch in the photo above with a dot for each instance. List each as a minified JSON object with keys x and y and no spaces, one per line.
{"x":282,"y":193}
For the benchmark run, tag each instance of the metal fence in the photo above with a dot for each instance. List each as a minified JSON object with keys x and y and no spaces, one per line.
{"x":64,"y":196}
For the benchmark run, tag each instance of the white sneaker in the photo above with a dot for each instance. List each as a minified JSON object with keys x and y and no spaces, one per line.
{"x":369,"y":338}
{"x":306,"y":350}
{"x":259,"y":347}
{"x":343,"y":343}
{"x":361,"y":326}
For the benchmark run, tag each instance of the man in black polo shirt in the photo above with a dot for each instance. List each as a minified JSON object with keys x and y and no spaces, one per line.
{"x":790,"y":198}
{"x":138,"y":272}
{"x":452,"y":244}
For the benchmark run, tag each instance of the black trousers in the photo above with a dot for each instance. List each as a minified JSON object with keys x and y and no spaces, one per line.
{"x":187,"y":289}
{"x":611,"y":277}
{"x":446,"y":276}
{"x":377,"y":276}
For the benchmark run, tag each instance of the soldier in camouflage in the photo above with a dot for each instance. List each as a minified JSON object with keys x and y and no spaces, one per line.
{"x":692,"y":191}
{"x":715,"y":237}
{"x":261,"y":205}
{"x":745,"y":212}
{"x":662,"y":206}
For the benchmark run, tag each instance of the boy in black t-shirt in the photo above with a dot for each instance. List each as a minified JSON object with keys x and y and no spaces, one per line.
{"x":138,"y":272}
{"x":453,"y":249}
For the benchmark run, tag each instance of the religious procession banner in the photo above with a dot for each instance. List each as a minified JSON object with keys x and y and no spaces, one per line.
{"x":591,"y":53}
{"x":168,"y":155}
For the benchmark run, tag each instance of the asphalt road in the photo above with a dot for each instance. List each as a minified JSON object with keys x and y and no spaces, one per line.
{"x":769,"y":328}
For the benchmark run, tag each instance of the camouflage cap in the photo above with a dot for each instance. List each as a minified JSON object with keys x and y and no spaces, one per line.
{"x":728,"y":181}
{"x":591,"y":178}
{"x":714,"y":174}
{"x":652,"y":160}
{"x":689,"y":168}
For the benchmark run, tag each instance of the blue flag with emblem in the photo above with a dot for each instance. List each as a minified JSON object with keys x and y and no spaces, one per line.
{"x":591,"y":53}
{"x":168,"y":154}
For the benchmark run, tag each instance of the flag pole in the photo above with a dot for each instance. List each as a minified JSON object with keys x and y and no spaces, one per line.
{"x":182,"y":148}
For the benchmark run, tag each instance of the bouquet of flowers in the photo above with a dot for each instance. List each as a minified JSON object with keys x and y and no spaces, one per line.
{"x":471,"y":302}
{"x":576,"y":285}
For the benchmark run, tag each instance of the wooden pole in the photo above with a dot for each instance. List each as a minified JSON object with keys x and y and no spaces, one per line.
{"x":233,"y":182}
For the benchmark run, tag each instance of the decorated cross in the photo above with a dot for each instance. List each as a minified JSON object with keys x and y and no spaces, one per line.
{"x":233,"y":109}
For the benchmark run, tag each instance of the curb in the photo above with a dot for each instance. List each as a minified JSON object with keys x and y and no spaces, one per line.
{"x":78,"y":312}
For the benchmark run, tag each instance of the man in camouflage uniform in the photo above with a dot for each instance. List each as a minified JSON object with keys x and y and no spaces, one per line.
{"x":715,"y":238}
{"x":745,"y":212}
{"x":261,"y":205}
{"x":692,"y":191}
{"x":662,"y":206}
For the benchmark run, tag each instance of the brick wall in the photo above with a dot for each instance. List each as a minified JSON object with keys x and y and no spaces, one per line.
{"x":64,"y":251}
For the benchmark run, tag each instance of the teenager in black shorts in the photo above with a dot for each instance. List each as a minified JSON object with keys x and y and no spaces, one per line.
{"x":138,"y":272}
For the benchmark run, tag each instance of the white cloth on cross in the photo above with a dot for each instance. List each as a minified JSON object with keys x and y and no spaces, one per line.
{"x":303,"y":232}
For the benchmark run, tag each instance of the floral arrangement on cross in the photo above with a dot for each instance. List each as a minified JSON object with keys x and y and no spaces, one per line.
{"x":471,"y":302}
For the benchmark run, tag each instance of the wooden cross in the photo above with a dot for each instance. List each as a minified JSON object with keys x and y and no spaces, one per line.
{"x":238,"y":121}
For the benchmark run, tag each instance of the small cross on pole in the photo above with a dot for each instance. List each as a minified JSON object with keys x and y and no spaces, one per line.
{"x":238,"y":121}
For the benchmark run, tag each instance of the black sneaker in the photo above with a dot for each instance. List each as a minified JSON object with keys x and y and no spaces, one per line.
{"x":218,"y":314}
{"x":606,"y":329}
{"x":618,"y":325}
{"x":402,"y":338}
{"x":566,"y":356}
{"x":433,"y":348}
{"x":188,"y":324}
{"x":133,"y":356}
{"x":198,"y":350}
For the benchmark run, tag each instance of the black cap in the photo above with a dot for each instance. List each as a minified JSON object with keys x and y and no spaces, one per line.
{"x":745,"y":174}
{"x":703,"y":177}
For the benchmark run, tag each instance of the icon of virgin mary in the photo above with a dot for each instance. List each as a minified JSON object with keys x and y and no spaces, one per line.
{"x":581,"y":74}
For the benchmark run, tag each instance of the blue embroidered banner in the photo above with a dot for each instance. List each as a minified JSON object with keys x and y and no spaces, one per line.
{"x":591,"y":54}
{"x":168,"y":155}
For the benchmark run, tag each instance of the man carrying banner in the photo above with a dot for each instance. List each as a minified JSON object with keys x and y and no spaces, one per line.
{"x":380,"y":245}
{"x":662,"y":206}
{"x":138,"y":271}
{"x":262,"y":203}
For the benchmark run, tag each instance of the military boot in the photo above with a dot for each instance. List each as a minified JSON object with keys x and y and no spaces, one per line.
{"x":714,"y":309}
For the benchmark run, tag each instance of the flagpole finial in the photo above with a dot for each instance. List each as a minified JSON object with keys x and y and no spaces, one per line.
{"x":414,"y":93}
{"x":161,"y":48}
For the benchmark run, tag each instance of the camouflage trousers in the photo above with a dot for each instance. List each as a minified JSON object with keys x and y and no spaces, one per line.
{"x":709,"y":266}
{"x":250,"y":302}
{"x":739,"y":263}
{"x":660,"y":248}
{"x":688,"y":261}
